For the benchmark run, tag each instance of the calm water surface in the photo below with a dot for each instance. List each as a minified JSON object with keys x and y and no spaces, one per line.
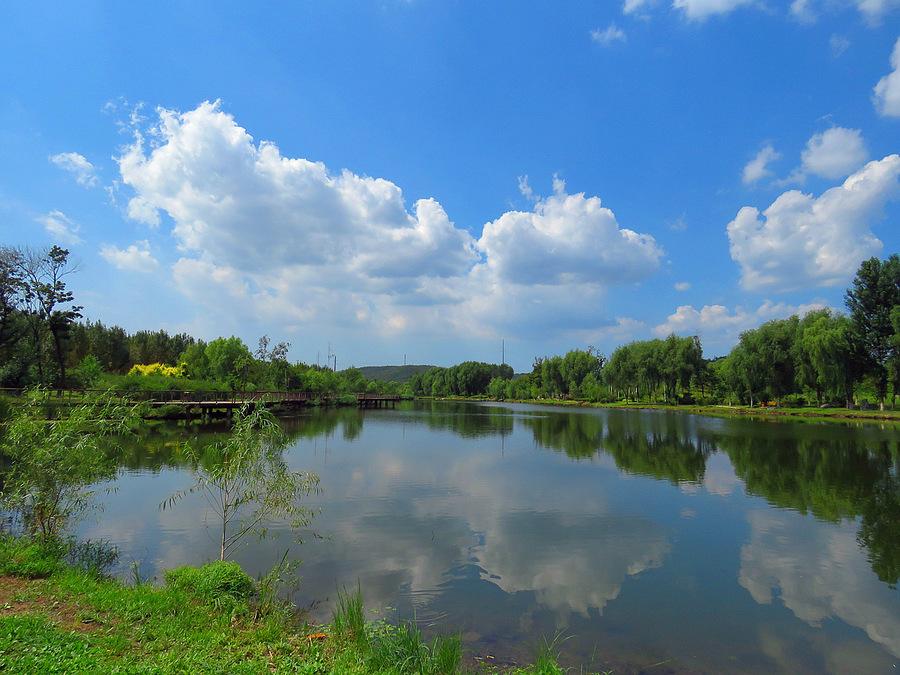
{"x":649,"y":540}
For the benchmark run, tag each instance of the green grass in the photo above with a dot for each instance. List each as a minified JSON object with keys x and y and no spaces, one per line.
{"x":202,"y":620}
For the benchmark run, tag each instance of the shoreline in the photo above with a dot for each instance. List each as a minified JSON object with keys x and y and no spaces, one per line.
{"x":723,"y":411}
{"x":59,"y":617}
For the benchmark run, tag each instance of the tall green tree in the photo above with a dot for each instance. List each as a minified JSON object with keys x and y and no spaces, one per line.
{"x":827,"y":355}
{"x":871,"y":300}
{"x":44,"y":273}
{"x":229,"y":359}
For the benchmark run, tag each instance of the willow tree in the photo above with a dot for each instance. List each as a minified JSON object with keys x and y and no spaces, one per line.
{"x":54,"y":463}
{"x":245,"y":481}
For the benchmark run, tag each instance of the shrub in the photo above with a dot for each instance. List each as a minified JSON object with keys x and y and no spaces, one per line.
{"x":157,"y":369}
{"x":52,"y":466}
{"x":794,"y":401}
{"x":33,"y":559}
{"x":92,"y":556}
{"x":219,"y":582}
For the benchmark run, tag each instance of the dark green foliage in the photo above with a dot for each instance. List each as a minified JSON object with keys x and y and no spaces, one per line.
{"x":93,"y":557}
{"x":470,"y":378}
{"x":218,"y":582}
{"x":658,"y":369}
{"x":37,"y":314}
{"x":871,"y":300}
{"x":30,"y":558}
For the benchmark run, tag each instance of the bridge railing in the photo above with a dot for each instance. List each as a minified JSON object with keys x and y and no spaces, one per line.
{"x":180,"y":396}
{"x":184,"y":396}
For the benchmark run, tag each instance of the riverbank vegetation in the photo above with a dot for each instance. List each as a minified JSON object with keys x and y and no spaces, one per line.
{"x":43,"y":342}
{"x":61,"y":616}
{"x":824,"y":359}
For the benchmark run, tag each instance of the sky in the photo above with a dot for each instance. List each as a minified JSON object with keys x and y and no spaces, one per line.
{"x":429,"y":180}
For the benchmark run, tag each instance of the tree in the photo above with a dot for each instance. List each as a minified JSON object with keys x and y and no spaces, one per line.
{"x":228,"y":359}
{"x":246,"y":482}
{"x":194,"y":360}
{"x":54,"y":462}
{"x":826,"y":355}
{"x":11,"y":287}
{"x":275,"y":360}
{"x":763,"y":360}
{"x":871,"y":299}
{"x":44,"y":273}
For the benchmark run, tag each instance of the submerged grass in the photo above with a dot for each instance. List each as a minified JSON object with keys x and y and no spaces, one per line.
{"x":207,"y":619}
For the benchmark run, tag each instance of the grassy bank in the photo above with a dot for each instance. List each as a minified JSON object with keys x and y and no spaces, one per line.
{"x":57,"y":615}
{"x":805,"y":413}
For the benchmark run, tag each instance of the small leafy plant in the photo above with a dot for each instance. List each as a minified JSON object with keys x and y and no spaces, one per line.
{"x":246,"y":482}
{"x":54,"y":462}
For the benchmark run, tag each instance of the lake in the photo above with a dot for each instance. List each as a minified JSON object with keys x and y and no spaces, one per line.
{"x":641,"y":540}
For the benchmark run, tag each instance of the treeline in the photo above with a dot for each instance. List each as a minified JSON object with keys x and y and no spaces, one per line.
{"x":822,"y":358}
{"x":43,"y":343}
{"x":470,"y":378}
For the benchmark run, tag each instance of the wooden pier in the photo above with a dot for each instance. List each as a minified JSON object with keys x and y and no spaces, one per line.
{"x":377,"y":400}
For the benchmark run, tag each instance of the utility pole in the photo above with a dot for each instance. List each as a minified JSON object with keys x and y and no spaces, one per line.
{"x":404,"y":359}
{"x":502,"y":351}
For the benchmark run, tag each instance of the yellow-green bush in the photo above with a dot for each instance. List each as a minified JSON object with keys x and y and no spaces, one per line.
{"x":157,"y":369}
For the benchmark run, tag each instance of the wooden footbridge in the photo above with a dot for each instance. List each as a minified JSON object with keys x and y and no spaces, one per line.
{"x":212,"y":403}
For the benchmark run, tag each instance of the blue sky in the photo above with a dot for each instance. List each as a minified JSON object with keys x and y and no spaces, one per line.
{"x":426,"y":178}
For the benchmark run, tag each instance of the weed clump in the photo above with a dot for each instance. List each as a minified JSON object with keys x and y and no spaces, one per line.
{"x":387,"y":648}
{"x":218,"y":583}
{"x":30,"y":558}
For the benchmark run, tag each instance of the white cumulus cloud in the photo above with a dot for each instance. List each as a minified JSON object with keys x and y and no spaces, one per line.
{"x":887,"y":91}
{"x":758,"y":167}
{"x":76,"y":164}
{"x":59,"y":226}
{"x":801,"y":241}
{"x":783,"y":546}
{"x":566,"y":239}
{"x":721,"y":323}
{"x":134,"y":258}
{"x":288,"y":237}
{"x":142,"y":211}
{"x":834,"y":153}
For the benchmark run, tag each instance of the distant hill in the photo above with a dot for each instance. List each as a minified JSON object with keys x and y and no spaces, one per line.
{"x":392,"y":373}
